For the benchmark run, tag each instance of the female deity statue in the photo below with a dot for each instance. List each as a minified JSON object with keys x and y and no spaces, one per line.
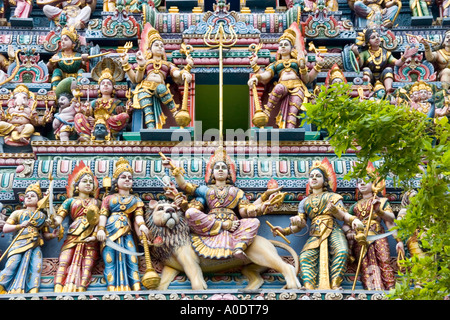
{"x":23,"y":8}
{"x":221,"y":218}
{"x":67,"y":62}
{"x":376,"y":271}
{"x":18,"y":124}
{"x":327,"y":243}
{"x":375,"y":61}
{"x":116,"y":226}
{"x":80,"y":249}
{"x":440,"y":58}
{"x":377,"y":12}
{"x":151,"y":75}
{"x":290,"y":92}
{"x":22,"y":273}
{"x":106,"y":109}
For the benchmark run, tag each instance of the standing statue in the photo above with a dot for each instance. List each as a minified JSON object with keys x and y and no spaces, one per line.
{"x":23,"y":8}
{"x":376,"y":271}
{"x":115,"y":231}
{"x":440,"y":58}
{"x":72,"y":13}
{"x":376,"y":13}
{"x":290,"y":92}
{"x":376,"y":62}
{"x":323,"y":259}
{"x":151,"y":76}
{"x":18,"y":124}
{"x":80,"y":249}
{"x":67,"y":62}
{"x":218,"y":232}
{"x":22,"y":272}
{"x":63,"y":120}
{"x":106,"y":112}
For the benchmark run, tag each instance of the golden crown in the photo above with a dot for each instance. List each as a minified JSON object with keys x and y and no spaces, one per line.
{"x":290,"y":35}
{"x":71,"y":32}
{"x":35,"y":187}
{"x":107,"y":74}
{"x":153,"y":35}
{"x":336,"y":73}
{"x":122,"y":165}
{"x":21,"y":88}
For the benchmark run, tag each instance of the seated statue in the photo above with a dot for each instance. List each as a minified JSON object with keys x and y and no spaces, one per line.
{"x":290,"y":91}
{"x":72,"y":13}
{"x":106,"y":110}
{"x":376,"y":13}
{"x":67,"y":62}
{"x":18,"y":124}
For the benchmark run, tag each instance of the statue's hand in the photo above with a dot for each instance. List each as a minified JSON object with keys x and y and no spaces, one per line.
{"x":140,"y":59}
{"x":101,"y":235}
{"x":252,"y":81}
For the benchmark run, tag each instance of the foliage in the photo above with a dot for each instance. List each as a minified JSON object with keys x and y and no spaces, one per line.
{"x":408,"y":146}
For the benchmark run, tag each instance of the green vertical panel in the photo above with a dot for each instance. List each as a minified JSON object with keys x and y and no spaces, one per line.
{"x":235,"y":106}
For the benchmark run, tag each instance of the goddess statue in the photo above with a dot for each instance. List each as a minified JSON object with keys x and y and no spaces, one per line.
{"x":22,"y":272}
{"x":80,"y":249}
{"x":376,"y":271}
{"x":376,"y":61}
{"x":151,"y":75}
{"x":440,"y":58}
{"x":290,"y":92}
{"x":106,"y":110}
{"x":327,"y":243}
{"x":67,"y":62}
{"x":115,"y":225}
{"x":218,"y":231}
{"x":18,"y":124}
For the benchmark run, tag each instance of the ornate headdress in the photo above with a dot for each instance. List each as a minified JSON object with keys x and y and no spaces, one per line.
{"x":148,"y":36}
{"x":378,"y":185}
{"x":122,"y":165}
{"x":335,"y":73}
{"x":21,"y":88}
{"x":362,"y":39}
{"x":107,"y":68}
{"x":72,"y":33}
{"x":36,"y":188}
{"x":102,"y":121}
{"x":78,"y":172}
{"x":290,"y":35}
{"x":327,"y":169}
{"x":220,"y":155}
{"x":295,"y":37}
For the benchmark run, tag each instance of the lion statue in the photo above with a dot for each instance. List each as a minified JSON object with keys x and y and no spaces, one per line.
{"x":166,"y":220}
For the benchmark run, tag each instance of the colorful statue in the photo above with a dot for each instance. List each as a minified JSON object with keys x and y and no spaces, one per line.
{"x":18,"y":124}
{"x":376,"y":61}
{"x":445,"y":8}
{"x":22,"y":273}
{"x":106,"y":112}
{"x":74,"y":13}
{"x":335,"y":75}
{"x":151,"y":75}
{"x":115,"y":231}
{"x":290,"y":92}
{"x":218,"y":232}
{"x":23,"y":8}
{"x":440,"y":58}
{"x":80,"y":249}
{"x":376,"y":13}
{"x":63,"y":120}
{"x":327,"y":243}
{"x":376,"y":271}
{"x":67,"y":62}
{"x":419,"y":8}
{"x":421,"y":99}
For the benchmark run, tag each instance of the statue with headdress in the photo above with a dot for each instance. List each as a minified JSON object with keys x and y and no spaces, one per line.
{"x":63,"y":120}
{"x":22,"y":271}
{"x":68,"y":62}
{"x":376,"y":13}
{"x":152,"y":92}
{"x":107,"y":111}
{"x":372,"y":209}
{"x":80,"y":249}
{"x":74,"y":13}
{"x":18,"y":123}
{"x":440,"y":58}
{"x":335,"y":75}
{"x":323,"y":259}
{"x":222,"y":220}
{"x":375,"y":61}
{"x":121,"y":216}
{"x":290,"y":91}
